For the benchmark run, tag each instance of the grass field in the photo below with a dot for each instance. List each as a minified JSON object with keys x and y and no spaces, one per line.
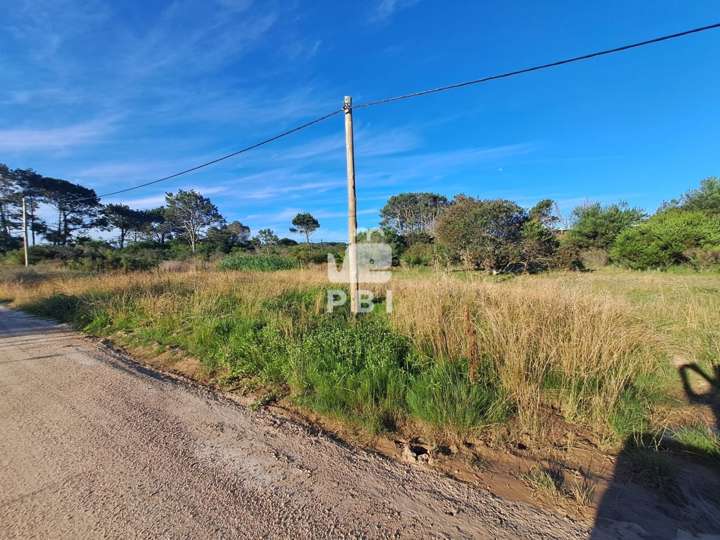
{"x":461,"y":353}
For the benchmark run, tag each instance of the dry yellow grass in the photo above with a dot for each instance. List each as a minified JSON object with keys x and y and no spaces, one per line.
{"x":551,"y":344}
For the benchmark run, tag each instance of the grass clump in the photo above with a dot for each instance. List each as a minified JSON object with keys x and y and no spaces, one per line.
{"x":358,"y":371}
{"x":257,"y":263}
{"x":545,"y":480}
{"x":443,"y":396}
{"x":551,"y":482}
{"x":700,"y":440}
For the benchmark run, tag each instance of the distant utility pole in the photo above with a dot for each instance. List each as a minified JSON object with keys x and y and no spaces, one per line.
{"x":352,"y":207}
{"x":25,"y":231}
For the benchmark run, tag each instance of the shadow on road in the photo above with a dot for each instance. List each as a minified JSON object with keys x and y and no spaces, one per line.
{"x":667,"y":489}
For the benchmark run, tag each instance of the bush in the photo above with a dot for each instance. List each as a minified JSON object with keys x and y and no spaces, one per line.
{"x":597,"y":226}
{"x":316,"y":254}
{"x":144,"y":259}
{"x":418,"y":255}
{"x":357,"y":371}
{"x":177,"y":266}
{"x":14,"y":258}
{"x":568,"y":257}
{"x":261,"y":263}
{"x":666,"y":239}
{"x":594,"y":258}
{"x":704,"y":258}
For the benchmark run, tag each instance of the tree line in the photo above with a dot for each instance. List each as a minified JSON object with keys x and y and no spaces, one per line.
{"x":186,"y":216}
{"x":495,"y":235}
{"x":501,"y":236}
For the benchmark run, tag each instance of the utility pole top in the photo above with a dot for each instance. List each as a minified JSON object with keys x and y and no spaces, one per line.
{"x":347,"y":103}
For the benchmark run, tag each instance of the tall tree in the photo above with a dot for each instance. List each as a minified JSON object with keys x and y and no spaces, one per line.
{"x":191,"y":214}
{"x":125,"y":219}
{"x":306,"y":224}
{"x":266,"y":238}
{"x":227,"y":237}
{"x":539,"y":243}
{"x":486,"y":234}
{"x":545,"y":212}
{"x":32,"y":189}
{"x":410,"y":214}
{"x":10,"y":207}
{"x":77,"y":207}
{"x":704,"y":199}
{"x":158,"y":228}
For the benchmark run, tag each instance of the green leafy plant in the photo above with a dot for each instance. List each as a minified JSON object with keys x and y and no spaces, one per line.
{"x":261,"y":263}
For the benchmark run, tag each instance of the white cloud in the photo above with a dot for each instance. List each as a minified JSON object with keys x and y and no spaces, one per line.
{"x":138,"y":171}
{"x":236,"y":6}
{"x":186,"y":39}
{"x":367,"y":144}
{"x":274,"y":217}
{"x":46,"y":25}
{"x":256,"y":107}
{"x":142,"y":203}
{"x":117,"y":171}
{"x":287,"y":214}
{"x":153,"y":201}
{"x":25,"y":139}
{"x":385,"y":9}
{"x":435,"y":165}
{"x":278,"y":191}
{"x":303,"y":49}
{"x":39,"y":96}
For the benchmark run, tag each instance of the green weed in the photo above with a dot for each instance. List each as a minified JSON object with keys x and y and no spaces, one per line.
{"x":442,"y":395}
{"x":359,"y":371}
{"x":262,"y":263}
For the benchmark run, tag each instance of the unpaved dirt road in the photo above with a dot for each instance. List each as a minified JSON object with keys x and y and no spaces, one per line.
{"x":94,"y":446}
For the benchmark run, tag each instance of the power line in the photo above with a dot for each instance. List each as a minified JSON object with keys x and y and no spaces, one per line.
{"x":536,"y":68}
{"x":226,"y":156}
{"x":417,"y":94}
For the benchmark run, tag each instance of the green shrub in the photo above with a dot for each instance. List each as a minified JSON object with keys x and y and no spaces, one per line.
{"x":597,"y":226}
{"x":443,"y":395}
{"x":418,"y":255}
{"x":13,"y":258}
{"x":262,"y":263}
{"x":568,"y":256}
{"x":666,"y":239}
{"x":358,"y":371}
{"x":316,"y":254}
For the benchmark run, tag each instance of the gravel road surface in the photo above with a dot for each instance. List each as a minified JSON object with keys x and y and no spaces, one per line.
{"x":95,"y":446}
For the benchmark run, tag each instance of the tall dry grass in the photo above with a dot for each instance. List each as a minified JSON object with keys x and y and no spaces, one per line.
{"x":550,"y":345}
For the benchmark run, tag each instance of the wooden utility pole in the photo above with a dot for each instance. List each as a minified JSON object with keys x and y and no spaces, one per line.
{"x":25,"y":231}
{"x":352,"y":207}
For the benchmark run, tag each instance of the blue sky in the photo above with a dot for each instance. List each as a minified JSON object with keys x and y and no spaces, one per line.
{"x":109,"y":94}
